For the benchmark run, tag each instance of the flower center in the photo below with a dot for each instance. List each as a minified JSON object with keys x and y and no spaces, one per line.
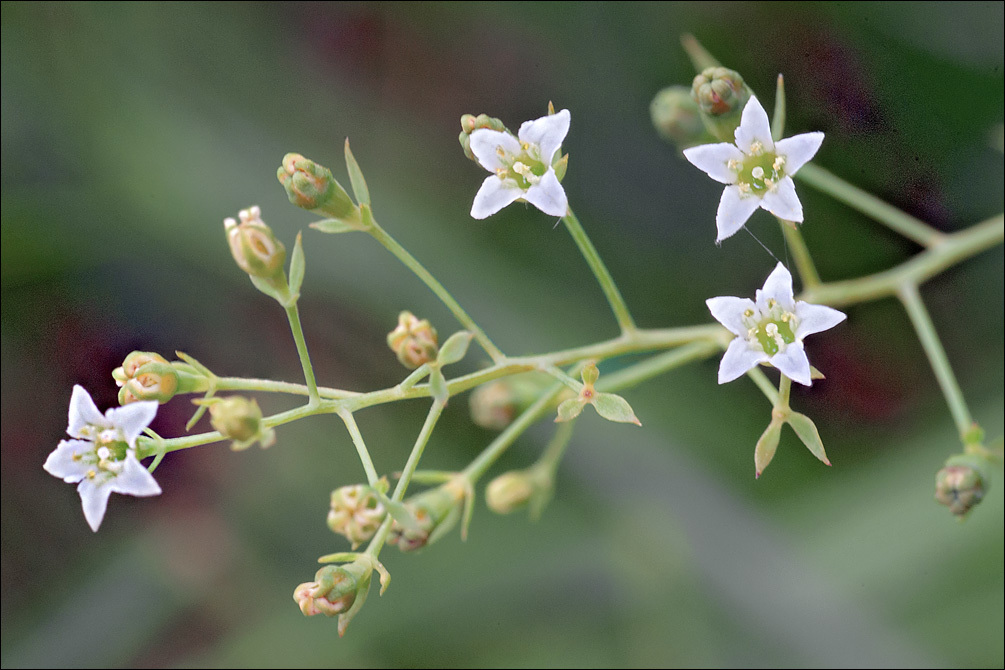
{"x":760,"y":171}
{"x":772,"y":331}
{"x":525,"y":168}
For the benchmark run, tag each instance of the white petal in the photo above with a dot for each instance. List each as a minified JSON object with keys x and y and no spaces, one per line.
{"x":777,"y":287}
{"x":485,"y":143}
{"x":815,"y":318}
{"x":734,"y":210}
{"x":783,"y":202}
{"x":798,"y":150}
{"x":135,"y":480}
{"x":62,"y":464}
{"x":793,"y":363}
{"x":547,"y":133}
{"x":739,"y":358}
{"x":729,"y":312}
{"x":548,"y":195}
{"x":754,"y":126}
{"x":494,"y":194}
{"x":712,"y":159}
{"x":94,"y":498}
{"x":83,"y":411}
{"x":132,"y":418}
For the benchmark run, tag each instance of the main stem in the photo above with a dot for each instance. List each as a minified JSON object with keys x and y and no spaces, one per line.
{"x":589,"y":252}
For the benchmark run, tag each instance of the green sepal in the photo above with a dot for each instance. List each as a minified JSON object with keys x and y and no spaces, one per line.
{"x":590,"y":374}
{"x":561,"y":166}
{"x":445,"y":526}
{"x":340,"y":557}
{"x":438,"y":386}
{"x":361,"y":593}
{"x":766,"y":447}
{"x":615,"y":408}
{"x":333,"y":226}
{"x":469,"y":510}
{"x":454,"y":349}
{"x":297,"y":267}
{"x":278,"y":291}
{"x":199,"y":367}
{"x":569,"y":410}
{"x":398,"y":511}
{"x":356,"y":179}
{"x":432,"y":477}
{"x":807,"y":432}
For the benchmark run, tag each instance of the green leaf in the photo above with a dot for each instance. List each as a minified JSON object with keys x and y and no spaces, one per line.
{"x":807,"y":432}
{"x":359,"y":188}
{"x":766,"y":446}
{"x":297,"y":266}
{"x":454,"y":348}
{"x":333,"y":226}
{"x":615,"y":408}
{"x":438,"y":386}
{"x":569,"y":410}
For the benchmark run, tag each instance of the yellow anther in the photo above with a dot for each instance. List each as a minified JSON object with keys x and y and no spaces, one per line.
{"x":748,"y":313}
{"x":91,"y":474}
{"x":756,"y":147}
{"x":733,"y":164}
{"x":778,"y":164}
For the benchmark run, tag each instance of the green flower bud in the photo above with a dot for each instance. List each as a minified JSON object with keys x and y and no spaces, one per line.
{"x":721,"y":95}
{"x":494,"y":405}
{"x":254,"y":247}
{"x":413,"y":341}
{"x":356,"y":513}
{"x":962,"y":483}
{"x":434,"y":513}
{"x":334,"y":590}
{"x":311,"y":186}
{"x":145,"y":376}
{"x":509,"y":491}
{"x":675,"y":115}
{"x":239,"y":419}
{"x":471,"y":123}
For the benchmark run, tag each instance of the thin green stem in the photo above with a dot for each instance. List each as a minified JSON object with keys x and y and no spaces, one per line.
{"x":700,"y":58}
{"x":552,"y":454}
{"x":437,"y":288}
{"x":293,"y":314}
{"x":656,"y":365}
{"x":357,"y":440}
{"x":589,"y":252}
{"x":868,"y":204}
{"x":800,"y":253}
{"x":560,"y":375}
{"x":784,"y":390}
{"x":936,"y":354}
{"x":270,"y":386}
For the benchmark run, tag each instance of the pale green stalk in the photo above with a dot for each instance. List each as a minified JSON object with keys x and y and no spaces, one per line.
{"x":357,"y":440}
{"x":801,"y":254}
{"x":778,"y":122}
{"x":763,"y":383}
{"x":293,"y":314}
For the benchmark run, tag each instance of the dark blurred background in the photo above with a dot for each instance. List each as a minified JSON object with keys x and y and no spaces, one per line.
{"x":131,"y":130}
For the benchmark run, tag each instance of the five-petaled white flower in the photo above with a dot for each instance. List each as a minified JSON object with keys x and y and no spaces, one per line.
{"x":756,"y":170}
{"x":522,"y":166}
{"x":770,"y":328}
{"x":103,"y":455}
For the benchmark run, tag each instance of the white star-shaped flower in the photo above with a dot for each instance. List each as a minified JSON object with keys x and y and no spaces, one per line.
{"x":756,"y":170}
{"x":521,"y":166}
{"x":102,"y":458}
{"x":770,"y":328}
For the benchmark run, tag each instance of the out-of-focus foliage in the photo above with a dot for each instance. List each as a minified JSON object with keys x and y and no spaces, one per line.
{"x":131,"y":130}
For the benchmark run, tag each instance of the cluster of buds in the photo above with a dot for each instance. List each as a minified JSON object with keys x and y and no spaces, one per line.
{"x":239,"y":419}
{"x":470,"y":123}
{"x":311,"y":186}
{"x":413,"y":341}
{"x":356,"y":512}
{"x":145,"y":376}
{"x":253,"y":245}
{"x":675,"y":116}
{"x":433,"y":513}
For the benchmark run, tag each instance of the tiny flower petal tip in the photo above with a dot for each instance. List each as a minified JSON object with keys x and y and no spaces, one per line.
{"x":756,"y":170}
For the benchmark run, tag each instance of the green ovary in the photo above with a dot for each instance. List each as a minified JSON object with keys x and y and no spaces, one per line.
{"x":526,"y":170}
{"x":773,"y":335}
{"x":760,"y":172}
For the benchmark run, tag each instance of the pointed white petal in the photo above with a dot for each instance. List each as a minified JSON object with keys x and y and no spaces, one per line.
{"x":754,"y":126}
{"x":793,"y":363}
{"x":485,"y":144}
{"x":798,"y":150}
{"x":132,"y":418}
{"x":734,"y":210}
{"x":712,"y":159}
{"x":777,"y":287}
{"x":135,"y":480}
{"x":83,"y":411}
{"x":729,"y":312}
{"x":548,"y":195}
{"x":62,"y":464}
{"x":739,"y":358}
{"x":494,"y":194}
{"x":547,"y":133}
{"x":815,"y":318}
{"x":783,"y":202}
{"x":94,"y":498}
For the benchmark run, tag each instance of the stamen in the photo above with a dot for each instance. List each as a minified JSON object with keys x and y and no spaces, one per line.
{"x":756,"y":147}
{"x":733,"y":164}
{"x":778,"y":164}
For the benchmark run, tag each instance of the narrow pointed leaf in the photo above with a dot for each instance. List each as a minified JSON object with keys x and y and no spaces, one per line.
{"x":469,"y":510}
{"x":615,"y":408}
{"x":807,"y":432}
{"x":359,"y":188}
{"x":297,"y":266}
{"x":398,"y":512}
{"x":340,"y":557}
{"x":569,"y":410}
{"x":333,"y":226}
{"x":454,"y":348}
{"x":766,"y":446}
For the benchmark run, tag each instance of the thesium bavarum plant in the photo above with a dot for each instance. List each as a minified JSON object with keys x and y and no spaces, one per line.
{"x":763,"y":333}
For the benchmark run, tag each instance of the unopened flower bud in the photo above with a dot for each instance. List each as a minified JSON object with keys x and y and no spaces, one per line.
{"x":470,"y":123}
{"x":334,"y":590}
{"x":676,"y":118}
{"x":434,"y":511}
{"x":721,"y":95}
{"x":509,"y":491}
{"x":413,"y":341}
{"x":254,"y":247}
{"x":145,"y":376}
{"x":311,"y":186}
{"x":356,"y":513}
{"x":494,"y":405}
{"x":240,"y":419}
{"x":961,"y":484}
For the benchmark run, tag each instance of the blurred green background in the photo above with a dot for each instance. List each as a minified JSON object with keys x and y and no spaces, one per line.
{"x":131,"y":130}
